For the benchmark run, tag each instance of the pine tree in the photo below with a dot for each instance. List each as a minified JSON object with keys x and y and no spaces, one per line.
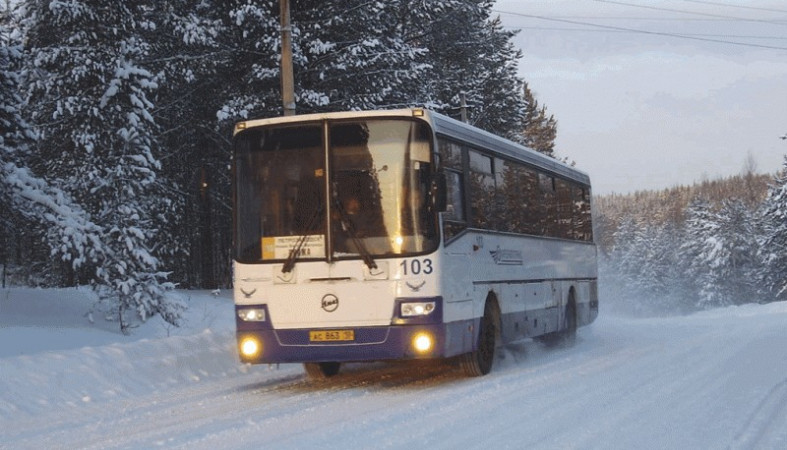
{"x":620,"y":271}
{"x":31,"y":202}
{"x":539,"y":131}
{"x":470,"y":54}
{"x":773,"y":242}
{"x":14,"y":131}
{"x":347,"y":55}
{"x":89,"y":96}
{"x":197,"y":47}
{"x":721,"y":247}
{"x":701,"y":228}
{"x":354,"y":56}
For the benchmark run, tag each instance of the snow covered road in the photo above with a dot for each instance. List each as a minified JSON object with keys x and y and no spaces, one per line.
{"x":711,"y":380}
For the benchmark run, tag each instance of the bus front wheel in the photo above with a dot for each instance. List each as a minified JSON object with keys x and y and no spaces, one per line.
{"x":479,"y":362}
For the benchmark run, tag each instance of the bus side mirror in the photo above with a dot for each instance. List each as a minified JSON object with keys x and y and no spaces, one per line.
{"x":437,"y":192}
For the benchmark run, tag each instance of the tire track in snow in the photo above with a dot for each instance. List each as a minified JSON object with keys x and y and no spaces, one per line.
{"x":766,"y":426}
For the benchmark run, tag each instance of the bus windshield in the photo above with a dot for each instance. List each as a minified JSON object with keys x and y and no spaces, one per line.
{"x":366,"y":199}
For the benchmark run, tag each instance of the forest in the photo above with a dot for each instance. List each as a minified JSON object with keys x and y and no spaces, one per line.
{"x":714,"y":244}
{"x":115,"y":129}
{"x":115,"y":142}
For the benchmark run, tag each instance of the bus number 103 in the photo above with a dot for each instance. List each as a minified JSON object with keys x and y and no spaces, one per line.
{"x":416,"y":266}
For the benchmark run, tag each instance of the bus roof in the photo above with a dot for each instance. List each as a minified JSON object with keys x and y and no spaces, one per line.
{"x":444,"y":126}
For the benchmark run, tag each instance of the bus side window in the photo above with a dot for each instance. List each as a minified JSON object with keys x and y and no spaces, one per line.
{"x":584,"y":226}
{"x":547,"y":206}
{"x":455,"y":216}
{"x":454,"y":196}
{"x":564,"y":209}
{"x":482,"y":191}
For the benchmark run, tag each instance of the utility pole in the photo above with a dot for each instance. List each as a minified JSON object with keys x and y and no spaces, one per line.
{"x":287,"y":82}
{"x":463,"y":106}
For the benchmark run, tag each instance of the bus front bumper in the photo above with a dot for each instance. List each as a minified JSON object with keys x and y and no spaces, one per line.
{"x":367,"y":344}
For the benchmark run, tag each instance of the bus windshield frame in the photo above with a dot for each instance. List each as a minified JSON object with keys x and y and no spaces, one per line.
{"x":333,"y":190}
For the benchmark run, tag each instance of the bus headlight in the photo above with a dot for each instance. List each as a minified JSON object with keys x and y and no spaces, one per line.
{"x":415,"y":309}
{"x":423,"y":342}
{"x":250,"y":347}
{"x":252,"y":315}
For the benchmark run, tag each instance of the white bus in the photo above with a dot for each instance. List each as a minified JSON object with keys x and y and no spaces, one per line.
{"x":387,"y":235}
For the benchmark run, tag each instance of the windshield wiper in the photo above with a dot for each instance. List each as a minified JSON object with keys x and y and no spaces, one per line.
{"x":349,"y":227}
{"x":289,"y":263}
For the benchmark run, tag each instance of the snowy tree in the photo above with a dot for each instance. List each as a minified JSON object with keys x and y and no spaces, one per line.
{"x":470,"y":54}
{"x":71,"y":236}
{"x":355,"y":55}
{"x":89,"y":98}
{"x":645,"y":267}
{"x":701,"y":232}
{"x":14,"y":131}
{"x":773,"y":243}
{"x":721,"y":247}
{"x":347,"y":55}
{"x":620,"y":271}
{"x":196,"y":48}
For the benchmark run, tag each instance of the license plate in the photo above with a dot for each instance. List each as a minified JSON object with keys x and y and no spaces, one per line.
{"x":331,"y":335}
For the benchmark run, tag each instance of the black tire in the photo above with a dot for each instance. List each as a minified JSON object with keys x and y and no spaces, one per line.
{"x":321,"y":370}
{"x":479,"y":362}
{"x":568,"y":333}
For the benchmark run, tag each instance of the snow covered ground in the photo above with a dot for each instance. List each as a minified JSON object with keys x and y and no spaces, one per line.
{"x":711,"y":380}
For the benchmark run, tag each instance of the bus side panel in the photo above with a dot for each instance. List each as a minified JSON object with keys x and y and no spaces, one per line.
{"x":530,"y":277}
{"x":459,"y":306}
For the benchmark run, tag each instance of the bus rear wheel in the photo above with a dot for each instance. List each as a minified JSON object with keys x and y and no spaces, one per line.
{"x":321,"y":370}
{"x":479,"y":362}
{"x":567,"y":335}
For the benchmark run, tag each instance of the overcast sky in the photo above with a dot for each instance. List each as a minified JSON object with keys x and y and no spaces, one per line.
{"x":653,"y":94}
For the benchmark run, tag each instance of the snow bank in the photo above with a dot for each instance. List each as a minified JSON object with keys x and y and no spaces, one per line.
{"x":747,"y":310}
{"x":36,"y":383}
{"x":53,"y":356}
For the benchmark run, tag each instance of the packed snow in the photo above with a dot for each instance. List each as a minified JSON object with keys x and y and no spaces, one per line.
{"x":70,"y":379}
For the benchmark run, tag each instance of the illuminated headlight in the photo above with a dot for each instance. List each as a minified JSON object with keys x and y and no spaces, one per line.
{"x":423,"y":342}
{"x":414,"y":309}
{"x":252,"y":315}
{"x":250,"y":347}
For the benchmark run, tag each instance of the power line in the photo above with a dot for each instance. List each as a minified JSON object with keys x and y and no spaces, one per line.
{"x":585,"y":30}
{"x":755,"y":8}
{"x":634,"y":30}
{"x":664,"y":19}
{"x":680,"y":11}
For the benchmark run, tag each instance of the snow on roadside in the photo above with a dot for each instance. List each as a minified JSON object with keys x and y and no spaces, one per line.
{"x":747,"y":310}
{"x":73,"y":365}
{"x":32,"y":384}
{"x":52,"y":356}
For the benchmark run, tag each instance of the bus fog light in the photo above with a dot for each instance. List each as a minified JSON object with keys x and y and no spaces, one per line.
{"x":252,"y":315}
{"x":414,"y":309}
{"x":250,"y":347}
{"x":423,"y":342}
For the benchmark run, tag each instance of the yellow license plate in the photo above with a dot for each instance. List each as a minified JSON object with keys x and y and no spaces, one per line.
{"x":331,"y":335}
